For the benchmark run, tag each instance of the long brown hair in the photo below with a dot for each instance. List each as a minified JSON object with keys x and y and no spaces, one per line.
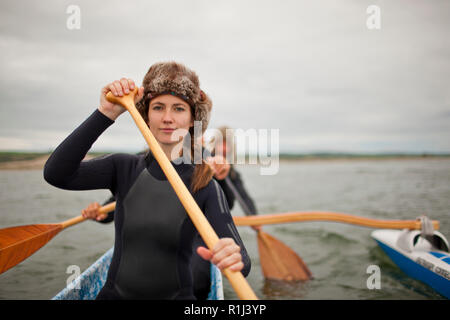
{"x":202,"y":172}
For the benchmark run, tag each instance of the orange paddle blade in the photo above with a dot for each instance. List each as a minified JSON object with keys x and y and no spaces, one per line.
{"x":279,"y":262}
{"x":18,"y":243}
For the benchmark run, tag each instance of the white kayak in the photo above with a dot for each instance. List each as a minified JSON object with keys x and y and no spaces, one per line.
{"x":91,"y":281}
{"x":426,"y":259}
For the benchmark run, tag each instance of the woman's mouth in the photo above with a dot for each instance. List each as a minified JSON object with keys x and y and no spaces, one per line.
{"x":167,"y":130}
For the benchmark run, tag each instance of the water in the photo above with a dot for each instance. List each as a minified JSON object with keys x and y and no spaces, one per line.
{"x":337,"y":254}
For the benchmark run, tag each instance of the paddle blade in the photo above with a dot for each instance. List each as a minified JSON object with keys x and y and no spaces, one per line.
{"x":18,"y":243}
{"x":279,"y":262}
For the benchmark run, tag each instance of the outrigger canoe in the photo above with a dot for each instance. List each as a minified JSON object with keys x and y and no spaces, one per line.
{"x":91,"y":281}
{"x":426,"y":259}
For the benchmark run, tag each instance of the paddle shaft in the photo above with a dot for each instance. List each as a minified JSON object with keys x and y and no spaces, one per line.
{"x":209,"y":236}
{"x":330,"y":216}
{"x":105,"y":209}
{"x":280,"y":218}
{"x":238,"y":196}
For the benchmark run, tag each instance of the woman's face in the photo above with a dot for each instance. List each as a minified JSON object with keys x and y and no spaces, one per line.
{"x":166,"y":114}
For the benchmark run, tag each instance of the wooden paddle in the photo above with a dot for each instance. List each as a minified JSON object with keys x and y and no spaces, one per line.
{"x":279,"y":218}
{"x":278,"y":261}
{"x":18,"y":243}
{"x":209,"y":236}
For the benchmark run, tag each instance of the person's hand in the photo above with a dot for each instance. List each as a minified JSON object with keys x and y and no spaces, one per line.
{"x":225,"y":254}
{"x":118,"y":88}
{"x":256,"y":228}
{"x":219,"y":166}
{"x":91,"y":212}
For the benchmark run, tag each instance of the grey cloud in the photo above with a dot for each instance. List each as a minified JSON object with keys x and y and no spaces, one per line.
{"x":311,"y":69}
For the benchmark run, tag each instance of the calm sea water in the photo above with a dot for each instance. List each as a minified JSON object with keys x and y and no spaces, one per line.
{"x":337,"y":254}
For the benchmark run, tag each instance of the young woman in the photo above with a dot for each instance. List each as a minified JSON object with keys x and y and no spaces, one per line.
{"x":153,"y":233}
{"x":201,"y":269}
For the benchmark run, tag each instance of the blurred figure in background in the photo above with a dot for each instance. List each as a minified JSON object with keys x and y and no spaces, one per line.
{"x":223,"y":156}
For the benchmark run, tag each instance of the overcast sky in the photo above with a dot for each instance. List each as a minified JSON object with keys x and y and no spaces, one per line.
{"x":312,"y":69}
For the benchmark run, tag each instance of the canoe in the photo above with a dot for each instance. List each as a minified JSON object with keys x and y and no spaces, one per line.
{"x":91,"y":281}
{"x":425,"y":260}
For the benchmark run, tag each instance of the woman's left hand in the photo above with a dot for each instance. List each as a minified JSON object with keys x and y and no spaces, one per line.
{"x":225,"y":254}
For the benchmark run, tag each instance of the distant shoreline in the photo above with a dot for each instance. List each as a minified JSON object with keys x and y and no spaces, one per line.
{"x":362,"y":157}
{"x":28,"y":161}
{"x":36,"y":160}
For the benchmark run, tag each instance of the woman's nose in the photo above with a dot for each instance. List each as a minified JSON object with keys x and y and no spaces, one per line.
{"x":167,"y":116}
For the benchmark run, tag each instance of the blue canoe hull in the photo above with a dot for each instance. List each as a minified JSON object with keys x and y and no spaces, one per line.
{"x":429,"y":267}
{"x":91,"y":281}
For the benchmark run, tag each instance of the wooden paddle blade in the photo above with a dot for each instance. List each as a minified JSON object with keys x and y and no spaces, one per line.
{"x":279,"y":262}
{"x":18,"y":243}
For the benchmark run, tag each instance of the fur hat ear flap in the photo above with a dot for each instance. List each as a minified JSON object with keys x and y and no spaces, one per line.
{"x":203,"y":110}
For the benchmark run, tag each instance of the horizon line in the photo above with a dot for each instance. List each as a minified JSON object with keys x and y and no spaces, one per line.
{"x":283,"y":153}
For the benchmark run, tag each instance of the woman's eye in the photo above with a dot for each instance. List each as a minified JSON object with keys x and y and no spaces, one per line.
{"x":179,"y":109}
{"x":157,"y":107}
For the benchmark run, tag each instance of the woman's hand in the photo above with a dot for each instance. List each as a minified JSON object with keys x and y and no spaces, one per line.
{"x":256,"y":228}
{"x":91,"y":212}
{"x":220,"y":167}
{"x":119,"y":88}
{"x":225,"y":254}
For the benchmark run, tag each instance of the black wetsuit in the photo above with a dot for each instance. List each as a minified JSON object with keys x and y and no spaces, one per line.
{"x":153,"y":233}
{"x":238,"y":184}
{"x":201,"y":267}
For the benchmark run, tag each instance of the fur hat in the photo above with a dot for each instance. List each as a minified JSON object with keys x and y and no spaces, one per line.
{"x":176,"y":79}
